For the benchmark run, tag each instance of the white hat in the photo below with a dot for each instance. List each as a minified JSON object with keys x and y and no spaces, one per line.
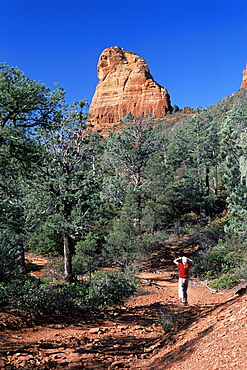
{"x":184,"y":259}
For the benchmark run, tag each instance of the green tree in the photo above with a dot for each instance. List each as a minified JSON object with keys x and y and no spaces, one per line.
{"x":193,"y":155}
{"x":25,"y":103}
{"x":87,"y":252}
{"x":233,"y":151}
{"x":126,"y":157}
{"x":122,"y":243}
{"x":67,"y":182}
{"x":25,"y":106}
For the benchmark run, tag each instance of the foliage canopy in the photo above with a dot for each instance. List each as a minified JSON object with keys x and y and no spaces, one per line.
{"x":64,"y":189}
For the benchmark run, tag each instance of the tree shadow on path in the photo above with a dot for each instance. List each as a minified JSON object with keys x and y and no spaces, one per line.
{"x":183,"y":351}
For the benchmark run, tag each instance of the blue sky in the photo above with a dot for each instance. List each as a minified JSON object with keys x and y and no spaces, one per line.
{"x":197,"y":49}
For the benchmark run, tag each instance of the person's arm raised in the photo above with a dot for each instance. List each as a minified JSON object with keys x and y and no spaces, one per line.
{"x":177,"y":259}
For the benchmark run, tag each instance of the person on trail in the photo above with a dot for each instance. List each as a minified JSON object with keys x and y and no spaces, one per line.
{"x":183,"y":278}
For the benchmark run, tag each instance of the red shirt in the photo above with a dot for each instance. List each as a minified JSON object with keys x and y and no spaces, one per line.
{"x":184,"y":272}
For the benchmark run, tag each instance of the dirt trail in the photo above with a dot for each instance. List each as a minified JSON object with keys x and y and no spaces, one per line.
{"x":211,"y":333}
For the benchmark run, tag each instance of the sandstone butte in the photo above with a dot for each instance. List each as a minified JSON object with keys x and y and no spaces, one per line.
{"x":125,"y":86}
{"x":244,"y":79}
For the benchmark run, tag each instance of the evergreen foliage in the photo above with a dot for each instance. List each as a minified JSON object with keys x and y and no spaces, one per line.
{"x":106,"y":288}
{"x":226,"y":281}
{"x":65,"y":190}
{"x":87,"y":252}
{"x":110,"y":288}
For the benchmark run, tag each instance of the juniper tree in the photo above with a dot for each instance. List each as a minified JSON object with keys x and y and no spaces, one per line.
{"x":127,"y":155}
{"x":25,"y":105}
{"x":65,"y":190}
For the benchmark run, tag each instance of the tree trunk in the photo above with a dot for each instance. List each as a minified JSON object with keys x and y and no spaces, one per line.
{"x":207,"y":181}
{"x":67,"y":257}
{"x":21,"y":258}
{"x":20,"y":246}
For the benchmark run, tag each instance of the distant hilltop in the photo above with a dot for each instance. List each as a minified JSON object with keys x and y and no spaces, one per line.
{"x":126,"y":86}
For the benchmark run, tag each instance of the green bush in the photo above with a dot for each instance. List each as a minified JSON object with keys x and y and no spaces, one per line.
{"x":57,"y":266}
{"x":241,"y":271}
{"x":87,"y":254}
{"x":150,"y":242}
{"x":30,"y":294}
{"x":170,"y":320}
{"x":10,"y":255}
{"x":46,"y":241}
{"x":109,"y":288}
{"x":220,"y":259}
{"x":122,"y":244}
{"x":3,"y":296}
{"x":42,"y":298}
{"x":226,"y":281}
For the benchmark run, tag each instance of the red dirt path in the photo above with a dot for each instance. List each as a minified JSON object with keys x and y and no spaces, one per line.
{"x":211,"y":333}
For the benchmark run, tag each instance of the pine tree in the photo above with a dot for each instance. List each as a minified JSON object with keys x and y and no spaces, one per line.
{"x":65,"y":190}
{"x":25,"y":106}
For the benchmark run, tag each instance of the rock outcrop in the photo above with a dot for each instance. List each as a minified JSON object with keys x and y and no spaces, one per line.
{"x":125,"y":86}
{"x":244,"y":79}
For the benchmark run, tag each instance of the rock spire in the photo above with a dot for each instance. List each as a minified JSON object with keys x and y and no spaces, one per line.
{"x":125,"y":86}
{"x":244,"y":79}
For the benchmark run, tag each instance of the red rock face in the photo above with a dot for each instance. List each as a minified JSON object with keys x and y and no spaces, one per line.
{"x":244,"y":80}
{"x":125,"y":86}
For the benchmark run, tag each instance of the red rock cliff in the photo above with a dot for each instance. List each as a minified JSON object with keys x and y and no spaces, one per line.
{"x":244,"y":80}
{"x":125,"y":85}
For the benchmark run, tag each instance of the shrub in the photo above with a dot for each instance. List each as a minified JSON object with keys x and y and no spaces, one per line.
{"x":42,"y":298}
{"x":3,"y":296}
{"x":150,"y":242}
{"x":175,"y":109}
{"x":10,"y":266}
{"x":109,"y":288}
{"x":46,"y":241}
{"x":122,"y":244}
{"x":30,"y":294}
{"x":241,"y":271}
{"x":220,"y":259}
{"x":226,"y":281}
{"x":87,"y":254}
{"x":169,"y":321}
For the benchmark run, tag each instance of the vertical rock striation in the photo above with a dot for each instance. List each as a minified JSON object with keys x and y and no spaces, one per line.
{"x":125,"y":86}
